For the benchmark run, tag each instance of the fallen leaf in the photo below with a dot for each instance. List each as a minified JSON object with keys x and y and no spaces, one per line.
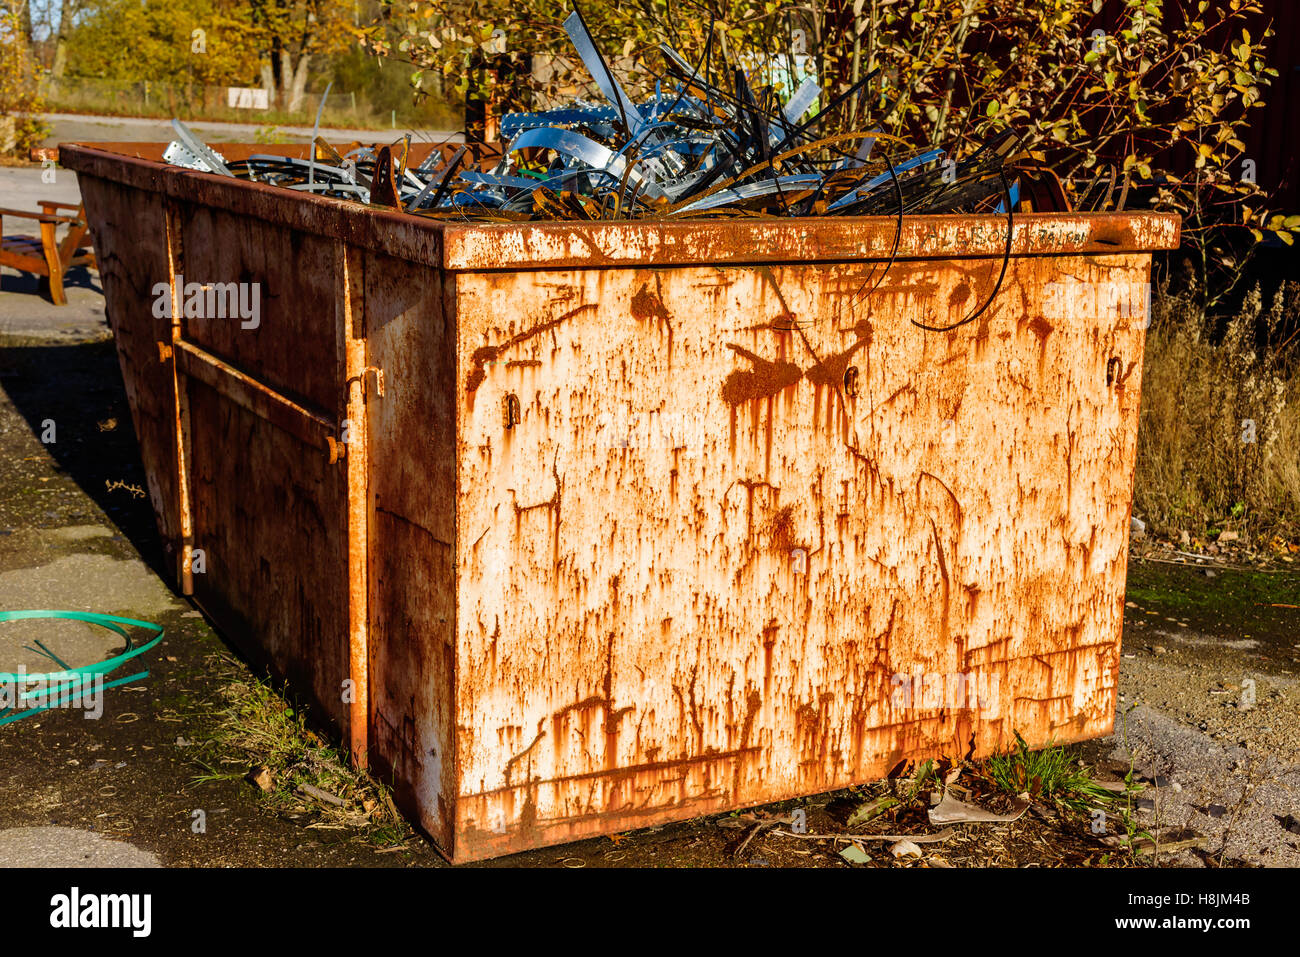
{"x":952,"y":811}
{"x":870,"y":809}
{"x":261,"y":776}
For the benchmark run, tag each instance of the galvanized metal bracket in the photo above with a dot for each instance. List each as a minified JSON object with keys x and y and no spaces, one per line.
{"x":190,"y":151}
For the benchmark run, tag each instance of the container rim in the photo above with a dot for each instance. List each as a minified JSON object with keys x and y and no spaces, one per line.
{"x":520,"y":247}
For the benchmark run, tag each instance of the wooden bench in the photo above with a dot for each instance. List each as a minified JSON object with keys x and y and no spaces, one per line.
{"x":45,"y":255}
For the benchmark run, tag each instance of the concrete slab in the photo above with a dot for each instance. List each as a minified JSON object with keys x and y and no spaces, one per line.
{"x":68,"y":847}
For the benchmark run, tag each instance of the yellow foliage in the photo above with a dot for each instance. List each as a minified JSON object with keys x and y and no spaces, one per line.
{"x":19,"y":92}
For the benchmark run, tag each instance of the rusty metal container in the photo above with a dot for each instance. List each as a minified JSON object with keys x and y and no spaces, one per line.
{"x":574,"y":528}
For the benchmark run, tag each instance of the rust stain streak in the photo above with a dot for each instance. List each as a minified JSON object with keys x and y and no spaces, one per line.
{"x":485,"y":354}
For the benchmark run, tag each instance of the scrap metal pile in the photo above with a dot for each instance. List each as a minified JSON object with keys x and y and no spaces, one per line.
{"x":700,"y":146}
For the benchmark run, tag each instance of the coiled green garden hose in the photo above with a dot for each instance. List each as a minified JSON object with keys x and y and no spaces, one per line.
{"x":70,"y":681}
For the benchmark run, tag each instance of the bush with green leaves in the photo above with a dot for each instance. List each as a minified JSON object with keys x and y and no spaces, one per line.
{"x":1148,"y":97}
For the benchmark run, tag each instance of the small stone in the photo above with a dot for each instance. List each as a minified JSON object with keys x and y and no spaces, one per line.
{"x":1160,"y":650}
{"x":261,"y":776}
{"x":1216,"y":810}
{"x":905,"y":848}
{"x":1229,"y":536}
{"x":1184,"y":538}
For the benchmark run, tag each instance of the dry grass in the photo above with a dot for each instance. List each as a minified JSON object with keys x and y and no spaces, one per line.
{"x":1219,"y":440}
{"x":262,"y":738}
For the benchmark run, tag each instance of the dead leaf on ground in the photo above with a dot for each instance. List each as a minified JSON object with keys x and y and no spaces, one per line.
{"x":952,"y":811}
{"x":870,"y":810}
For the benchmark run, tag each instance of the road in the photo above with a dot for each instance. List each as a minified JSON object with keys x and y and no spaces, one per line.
{"x":79,"y":128}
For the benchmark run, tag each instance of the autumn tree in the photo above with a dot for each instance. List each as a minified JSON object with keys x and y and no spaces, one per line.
{"x":293,"y":33}
{"x":170,"y":41}
{"x":20,"y":101}
{"x":216,"y":42}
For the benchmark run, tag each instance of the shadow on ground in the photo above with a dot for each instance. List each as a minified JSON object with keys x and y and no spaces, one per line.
{"x":29,"y":284}
{"x":73,"y":394}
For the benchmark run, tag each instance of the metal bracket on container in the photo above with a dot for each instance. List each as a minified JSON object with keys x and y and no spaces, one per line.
{"x":191,"y":152}
{"x":379,"y":379}
{"x":510,"y":410}
{"x":1113,"y":367}
{"x":308,"y":425}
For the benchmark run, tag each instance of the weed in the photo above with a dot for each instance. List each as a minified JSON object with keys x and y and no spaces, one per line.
{"x":1052,"y":774}
{"x":258,"y":728}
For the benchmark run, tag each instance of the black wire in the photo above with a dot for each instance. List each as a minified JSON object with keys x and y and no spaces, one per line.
{"x":1006,"y":258}
{"x":446,"y":179}
{"x":833,"y":105}
{"x":898,"y":234}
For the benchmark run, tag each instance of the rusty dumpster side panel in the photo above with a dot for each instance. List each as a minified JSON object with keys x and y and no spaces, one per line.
{"x":250,"y":509}
{"x":533,"y":246}
{"x":268,"y":506}
{"x":410,"y":334}
{"x":694,"y":573}
{"x":565,"y":544}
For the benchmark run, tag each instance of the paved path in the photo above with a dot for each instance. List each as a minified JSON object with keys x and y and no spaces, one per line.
{"x":79,"y":128}
{"x":67,"y":847}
